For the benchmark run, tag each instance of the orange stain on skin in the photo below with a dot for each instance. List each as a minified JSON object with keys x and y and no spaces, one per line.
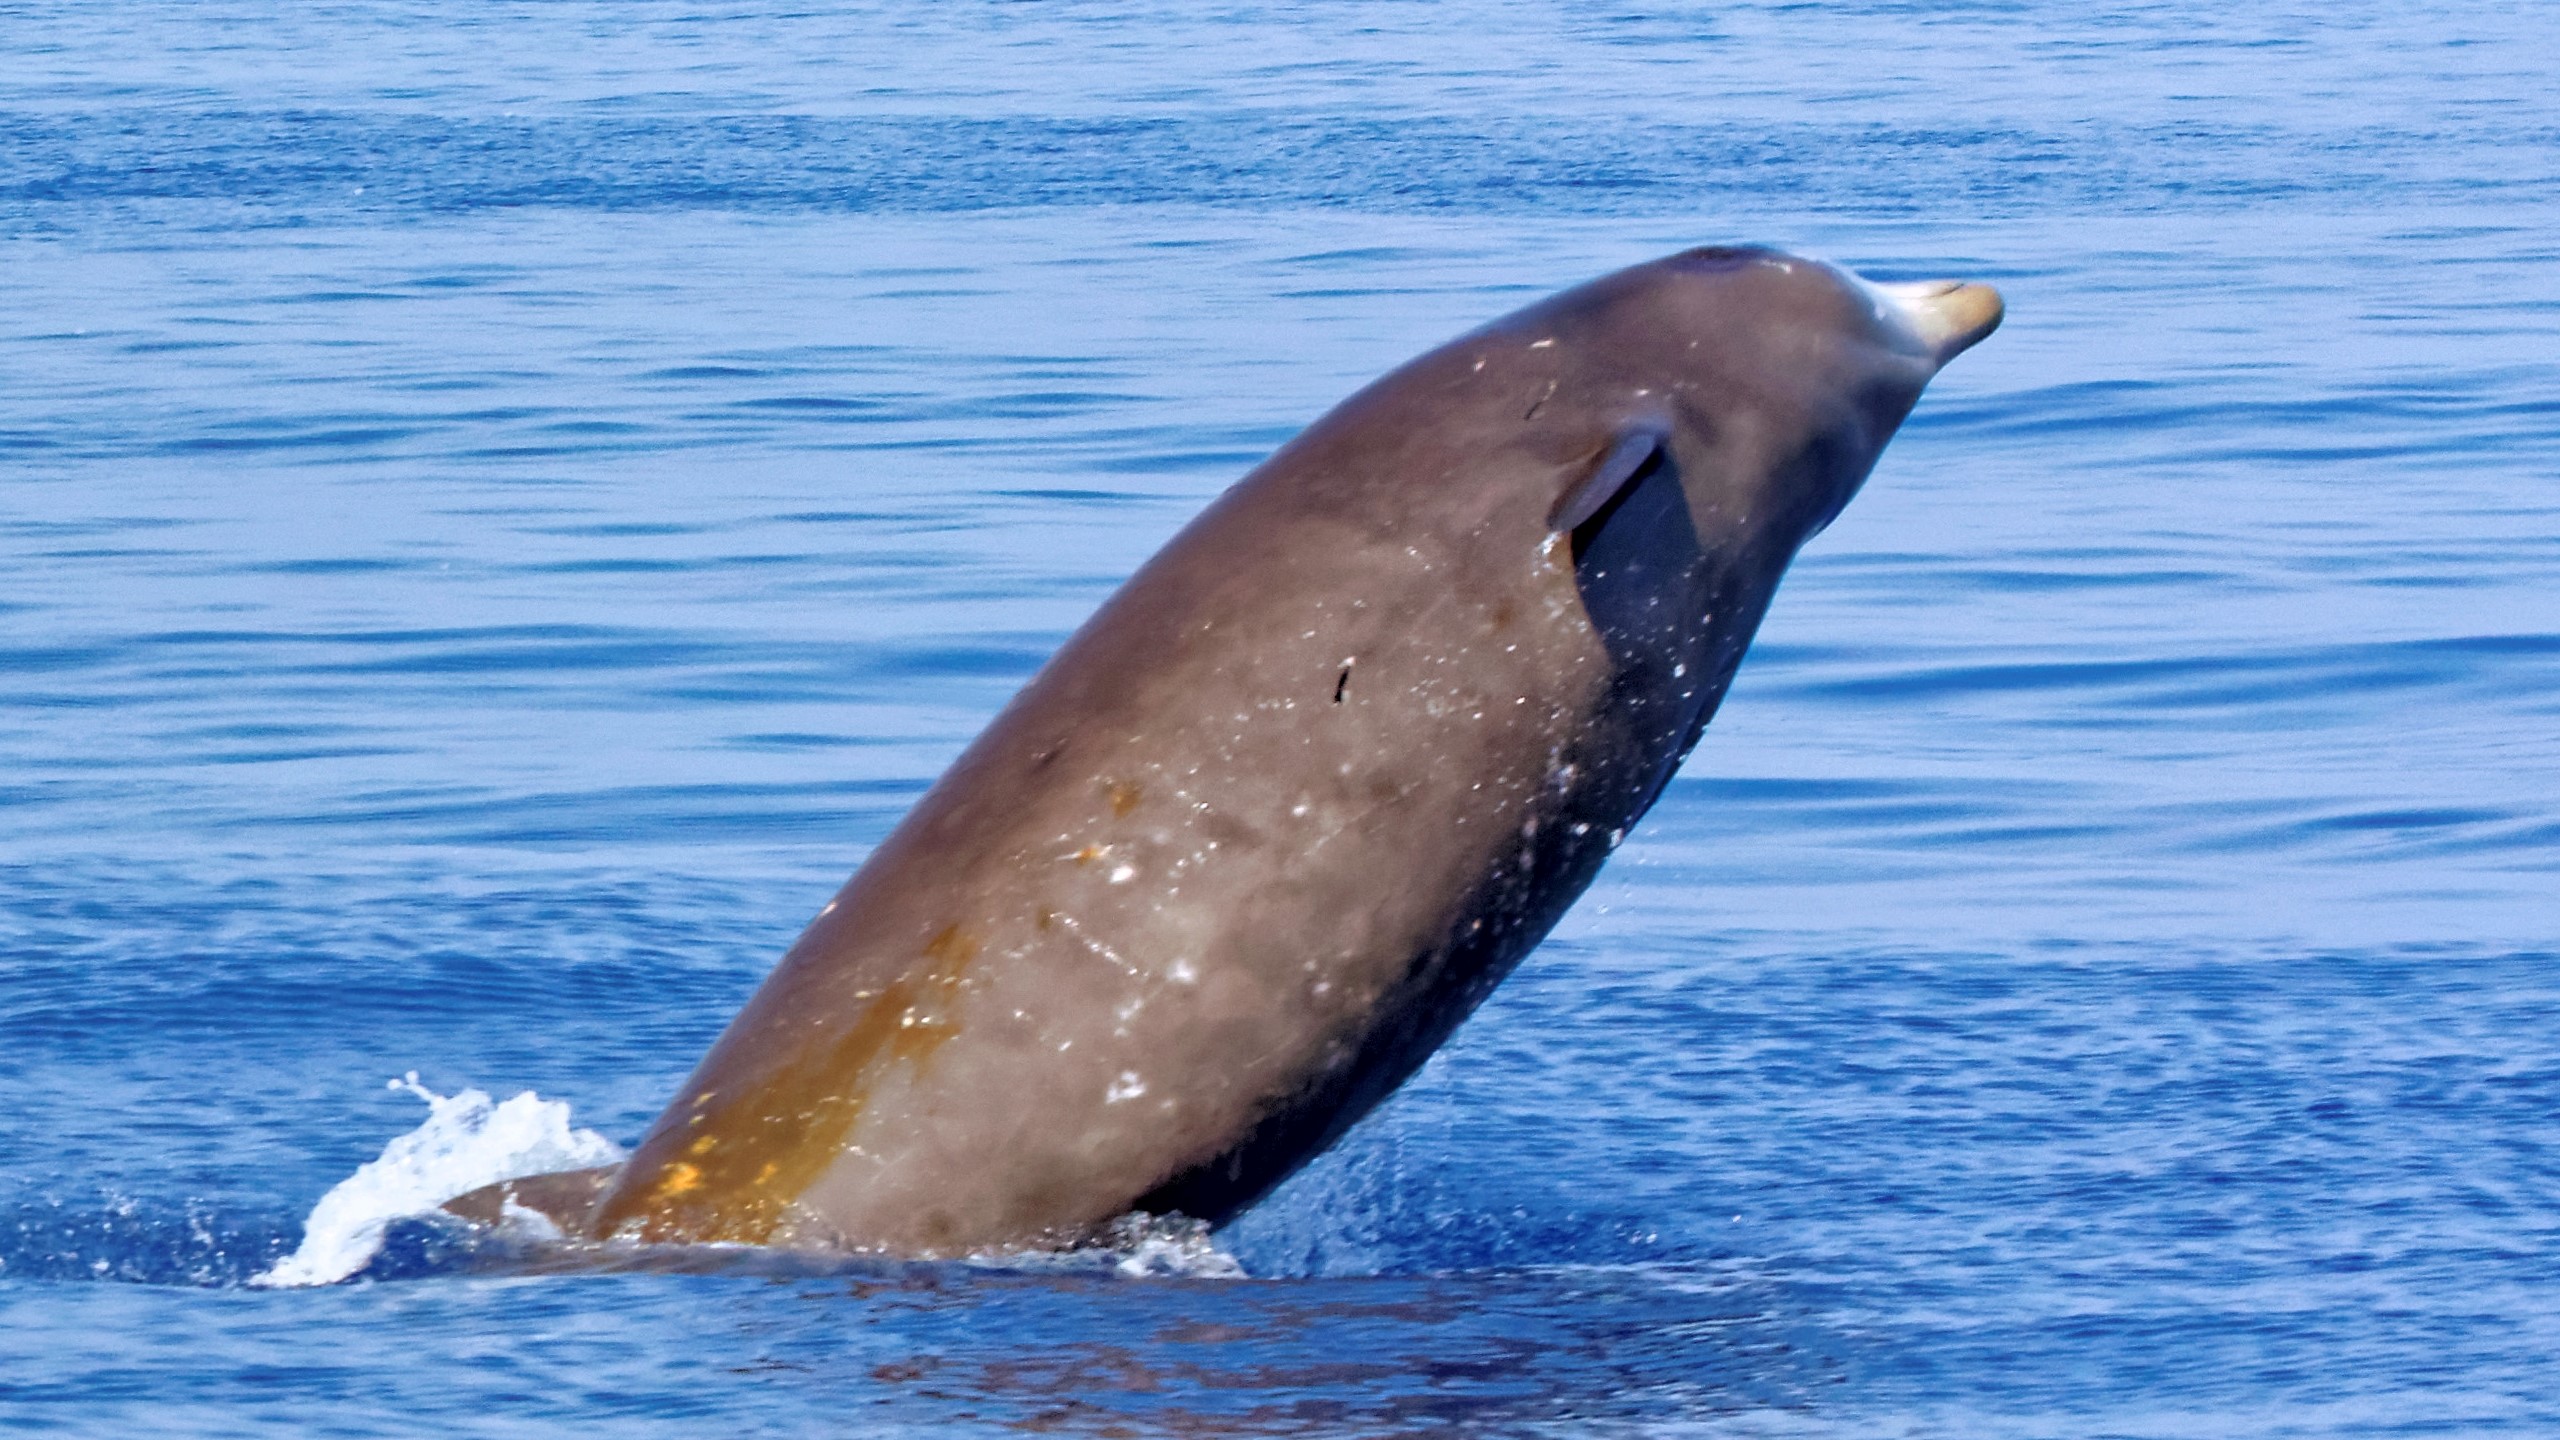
{"x":1124,"y":798}
{"x":767,"y":1142}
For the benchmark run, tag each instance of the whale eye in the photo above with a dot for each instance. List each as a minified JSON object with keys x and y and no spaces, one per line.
{"x":1625,"y":458}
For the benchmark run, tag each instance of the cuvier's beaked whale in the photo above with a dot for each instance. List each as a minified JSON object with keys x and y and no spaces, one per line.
{"x":1304,"y":790}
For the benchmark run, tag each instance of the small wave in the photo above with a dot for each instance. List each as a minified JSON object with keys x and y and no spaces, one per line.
{"x":467,"y":1141}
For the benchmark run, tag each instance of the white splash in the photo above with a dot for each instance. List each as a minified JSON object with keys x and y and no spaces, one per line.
{"x":467,"y":1141}
{"x":1169,"y":1246}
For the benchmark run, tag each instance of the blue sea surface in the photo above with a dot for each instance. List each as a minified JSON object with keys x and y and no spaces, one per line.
{"x":504,"y":504}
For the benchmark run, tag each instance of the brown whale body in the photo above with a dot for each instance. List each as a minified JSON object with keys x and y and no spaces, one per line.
{"x":1279,"y":816}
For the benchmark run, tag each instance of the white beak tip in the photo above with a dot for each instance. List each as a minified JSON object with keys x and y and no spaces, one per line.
{"x":1949,"y":316}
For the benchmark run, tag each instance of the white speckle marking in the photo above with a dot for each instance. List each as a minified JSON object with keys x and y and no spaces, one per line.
{"x":1127,"y":1087}
{"x":1123,"y":874}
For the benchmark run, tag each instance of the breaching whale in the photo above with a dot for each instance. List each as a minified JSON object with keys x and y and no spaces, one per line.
{"x":1285,"y":809}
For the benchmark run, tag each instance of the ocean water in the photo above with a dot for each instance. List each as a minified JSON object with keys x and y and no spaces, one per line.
{"x":503,"y":505}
